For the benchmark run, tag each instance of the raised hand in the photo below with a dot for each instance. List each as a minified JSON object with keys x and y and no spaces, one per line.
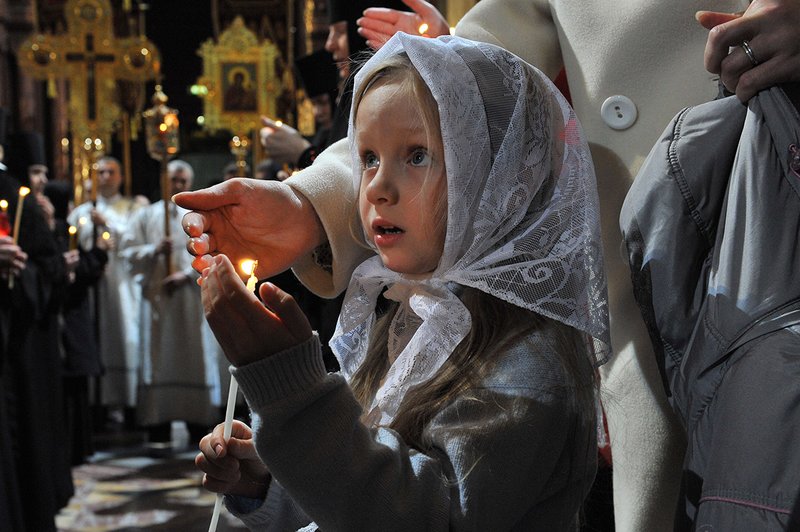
{"x":379,"y":23}
{"x":247,"y":329}
{"x":771,"y":29}
{"x":250,"y":219}
{"x":283,"y":143}
{"x":232,"y":467}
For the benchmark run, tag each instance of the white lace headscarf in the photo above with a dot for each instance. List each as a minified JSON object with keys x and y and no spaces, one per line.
{"x":522,"y":216}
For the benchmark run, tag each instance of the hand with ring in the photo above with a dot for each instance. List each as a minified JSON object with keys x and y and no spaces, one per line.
{"x":754,"y":50}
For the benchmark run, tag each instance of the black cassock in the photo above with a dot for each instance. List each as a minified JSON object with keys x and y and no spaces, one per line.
{"x":36,"y":474}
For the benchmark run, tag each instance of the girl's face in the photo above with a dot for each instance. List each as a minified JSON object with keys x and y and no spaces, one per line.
{"x":403,"y":180}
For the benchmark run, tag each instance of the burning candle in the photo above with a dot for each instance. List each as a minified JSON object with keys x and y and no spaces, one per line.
{"x":5,"y":228}
{"x":423,"y":28}
{"x":248,"y":266}
{"x":23,"y":191}
{"x":73,"y":237}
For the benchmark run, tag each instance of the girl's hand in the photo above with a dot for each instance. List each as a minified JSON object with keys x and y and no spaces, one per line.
{"x":232,"y":467}
{"x":247,"y":329}
{"x":772,"y":30}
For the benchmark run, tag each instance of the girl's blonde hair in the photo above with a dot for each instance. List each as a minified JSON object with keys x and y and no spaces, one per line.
{"x":496,"y":324}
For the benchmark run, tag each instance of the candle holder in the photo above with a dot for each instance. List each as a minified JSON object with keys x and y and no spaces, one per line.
{"x":163,"y":142}
{"x":240,"y":148}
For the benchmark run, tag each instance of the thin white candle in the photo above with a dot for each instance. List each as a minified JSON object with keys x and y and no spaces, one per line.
{"x":226,"y":434}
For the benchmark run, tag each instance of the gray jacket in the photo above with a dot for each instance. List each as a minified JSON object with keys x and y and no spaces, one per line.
{"x":711,"y":226}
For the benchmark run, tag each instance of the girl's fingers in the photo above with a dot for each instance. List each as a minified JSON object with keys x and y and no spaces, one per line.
{"x":287,"y":310}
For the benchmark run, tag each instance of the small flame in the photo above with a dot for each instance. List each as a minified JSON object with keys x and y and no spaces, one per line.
{"x":24,"y":191}
{"x":278,"y":123}
{"x":247,"y":266}
{"x":3,"y":205}
{"x":423,"y":28}
{"x":106,"y":235}
{"x":72,"y":230}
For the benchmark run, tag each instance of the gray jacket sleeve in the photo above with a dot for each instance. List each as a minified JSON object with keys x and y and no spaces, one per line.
{"x":497,"y":453}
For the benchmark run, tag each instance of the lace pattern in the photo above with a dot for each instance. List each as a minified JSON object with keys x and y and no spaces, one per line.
{"x":523,"y":219}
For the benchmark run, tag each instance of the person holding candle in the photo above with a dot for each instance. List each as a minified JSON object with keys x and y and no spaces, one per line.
{"x":35,"y":462}
{"x":181,"y":360}
{"x":466,"y":399}
{"x":653,"y":56}
{"x":117,"y":298}
{"x":81,"y":356}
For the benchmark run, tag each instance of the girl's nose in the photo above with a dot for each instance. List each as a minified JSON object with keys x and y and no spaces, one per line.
{"x":381,"y":189}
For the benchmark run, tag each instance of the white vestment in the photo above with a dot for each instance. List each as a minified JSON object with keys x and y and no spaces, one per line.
{"x":117,"y":300}
{"x":180,"y":371}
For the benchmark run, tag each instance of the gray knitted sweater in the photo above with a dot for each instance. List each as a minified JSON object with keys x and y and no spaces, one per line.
{"x":508,"y":455}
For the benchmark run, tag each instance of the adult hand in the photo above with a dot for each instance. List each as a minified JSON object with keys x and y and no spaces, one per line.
{"x":173,"y":281}
{"x":232,"y":467}
{"x":47,"y":209}
{"x":379,"y":23}
{"x":71,"y":260}
{"x":772,"y":30}
{"x":250,"y":219}
{"x":247,"y":329}
{"x":97,"y":218}
{"x":164,"y":246}
{"x":12,"y":258}
{"x":284,"y":144}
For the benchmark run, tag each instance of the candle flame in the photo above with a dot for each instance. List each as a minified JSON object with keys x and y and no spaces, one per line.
{"x":247,"y":266}
{"x":278,"y":123}
{"x":72,"y":230}
{"x":82,"y":220}
{"x":3,"y":205}
{"x":24,"y":191}
{"x":423,"y":28}
{"x":106,"y":235}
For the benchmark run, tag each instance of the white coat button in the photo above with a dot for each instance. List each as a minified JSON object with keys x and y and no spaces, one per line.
{"x":618,"y":112}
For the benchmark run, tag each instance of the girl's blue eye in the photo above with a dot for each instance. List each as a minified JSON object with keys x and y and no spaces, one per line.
{"x":370,"y":160}
{"x":420,"y":157}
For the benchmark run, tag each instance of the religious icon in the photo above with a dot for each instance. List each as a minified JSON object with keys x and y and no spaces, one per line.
{"x":239,"y":80}
{"x":239,"y":89}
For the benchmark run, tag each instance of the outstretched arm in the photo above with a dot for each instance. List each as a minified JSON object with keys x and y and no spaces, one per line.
{"x":379,"y":23}
{"x":250,"y":219}
{"x":772,"y":31}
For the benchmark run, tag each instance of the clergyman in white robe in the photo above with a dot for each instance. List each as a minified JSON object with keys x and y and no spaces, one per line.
{"x":180,"y":372}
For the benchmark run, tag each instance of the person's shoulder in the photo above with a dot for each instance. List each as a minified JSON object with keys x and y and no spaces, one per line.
{"x":531,"y":362}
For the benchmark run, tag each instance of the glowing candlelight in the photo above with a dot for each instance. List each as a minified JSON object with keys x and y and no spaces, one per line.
{"x":106,"y":235}
{"x":23,"y":191}
{"x":73,"y":237}
{"x":82,"y":220}
{"x":248,"y":266}
{"x":278,"y":123}
{"x":5,"y":228}
{"x":423,"y":28}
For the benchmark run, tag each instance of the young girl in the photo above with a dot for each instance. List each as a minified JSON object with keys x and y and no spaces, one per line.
{"x":466,"y":396}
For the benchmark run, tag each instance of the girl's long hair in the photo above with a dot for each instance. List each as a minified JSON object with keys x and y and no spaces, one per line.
{"x":496,"y":325}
